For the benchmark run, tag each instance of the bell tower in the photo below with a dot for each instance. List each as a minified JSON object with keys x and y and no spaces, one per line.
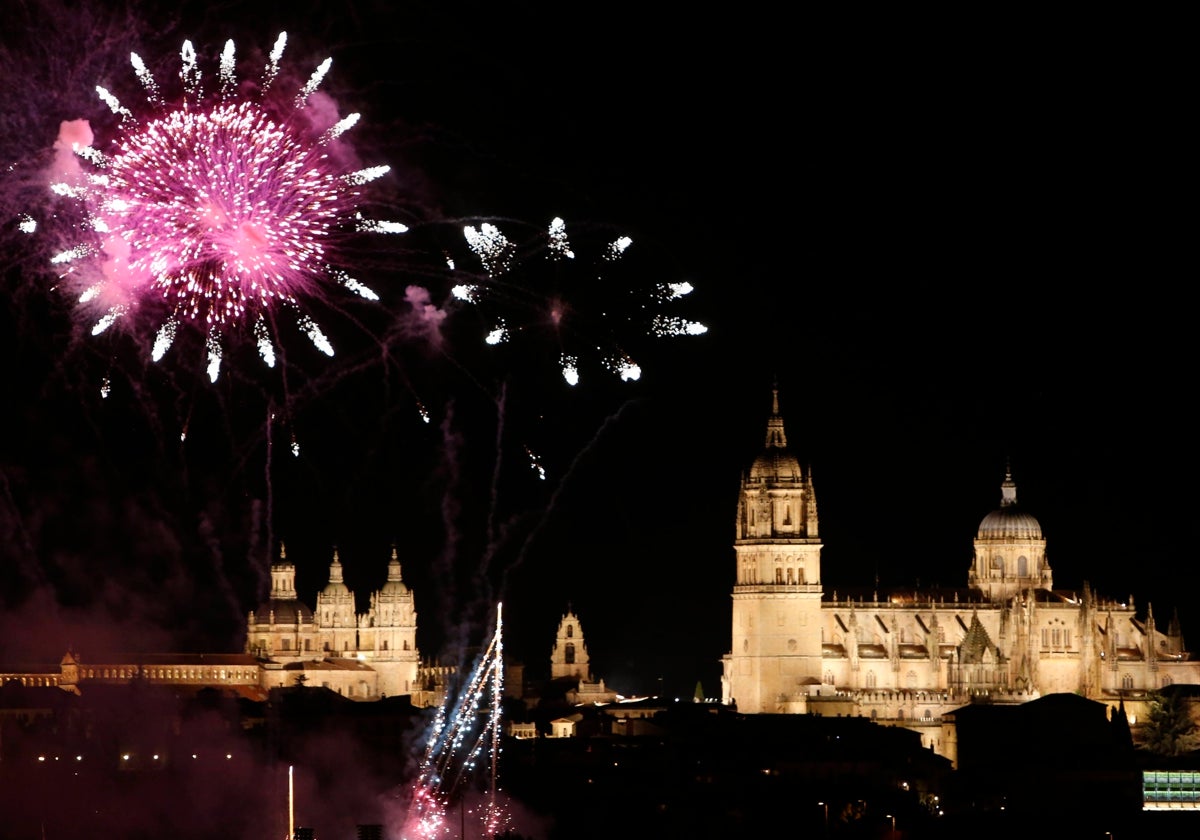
{"x":569,"y":657}
{"x":776,"y":651}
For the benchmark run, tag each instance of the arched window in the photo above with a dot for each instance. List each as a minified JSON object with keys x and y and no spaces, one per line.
{"x":1127,"y":681}
{"x":870,"y":679}
{"x":570,"y":631}
{"x":569,"y":654}
{"x":384,"y":644}
{"x":779,"y":575}
{"x":1023,"y":566}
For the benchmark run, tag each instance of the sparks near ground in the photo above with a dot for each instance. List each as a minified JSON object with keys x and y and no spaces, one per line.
{"x":217,"y":213}
{"x":461,"y":739}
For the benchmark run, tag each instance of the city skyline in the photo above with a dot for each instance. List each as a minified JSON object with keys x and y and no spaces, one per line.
{"x":946,"y":263}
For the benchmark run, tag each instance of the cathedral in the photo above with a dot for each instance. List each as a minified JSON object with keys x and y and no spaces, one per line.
{"x":364,"y":656}
{"x":909,"y":657}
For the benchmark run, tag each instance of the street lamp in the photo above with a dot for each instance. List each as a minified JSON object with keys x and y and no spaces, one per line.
{"x":825,"y":805}
{"x":892,"y":817}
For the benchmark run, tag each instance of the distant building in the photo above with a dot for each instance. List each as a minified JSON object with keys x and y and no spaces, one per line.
{"x":907,"y":657}
{"x":238,"y":673}
{"x":363,"y":656}
{"x":569,"y":663}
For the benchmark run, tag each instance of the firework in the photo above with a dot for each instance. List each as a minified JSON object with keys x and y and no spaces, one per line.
{"x":459,"y":738}
{"x":217,"y":213}
{"x":584,"y":315}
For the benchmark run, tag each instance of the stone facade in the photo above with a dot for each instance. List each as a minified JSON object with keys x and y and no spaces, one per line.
{"x":360,"y":655}
{"x":569,"y":661}
{"x":906,"y":657}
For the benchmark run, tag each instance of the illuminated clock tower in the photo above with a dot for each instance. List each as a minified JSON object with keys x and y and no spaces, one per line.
{"x":776,"y":652}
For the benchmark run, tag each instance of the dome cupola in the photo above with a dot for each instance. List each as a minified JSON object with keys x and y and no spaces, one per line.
{"x":1009,"y":522}
{"x":283,"y":607}
{"x":1010,"y":551}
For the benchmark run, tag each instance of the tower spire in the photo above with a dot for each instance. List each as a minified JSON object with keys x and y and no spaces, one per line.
{"x":776,"y":439}
{"x":1008,"y":489}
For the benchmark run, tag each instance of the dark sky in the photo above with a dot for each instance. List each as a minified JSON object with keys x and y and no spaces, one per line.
{"x":952,"y":243}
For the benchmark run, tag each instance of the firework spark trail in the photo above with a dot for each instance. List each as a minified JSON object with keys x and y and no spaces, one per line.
{"x":551,"y":506}
{"x":217,"y":212}
{"x":451,"y":753}
{"x":501,"y":258}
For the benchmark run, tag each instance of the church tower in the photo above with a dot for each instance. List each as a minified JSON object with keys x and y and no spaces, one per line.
{"x":569,"y":662}
{"x":388,"y":633}
{"x":569,"y":658}
{"x":776,"y":651}
{"x":283,"y":628}
{"x":336,"y":614}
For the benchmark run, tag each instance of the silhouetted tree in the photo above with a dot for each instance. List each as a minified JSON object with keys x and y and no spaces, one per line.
{"x":1169,"y":728}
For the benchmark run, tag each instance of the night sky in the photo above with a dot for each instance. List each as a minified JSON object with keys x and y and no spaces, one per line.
{"x":951,"y":244}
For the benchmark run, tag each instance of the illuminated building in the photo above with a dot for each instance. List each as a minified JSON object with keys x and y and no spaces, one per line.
{"x":363,"y":656}
{"x":906,"y":657}
{"x":569,"y":662}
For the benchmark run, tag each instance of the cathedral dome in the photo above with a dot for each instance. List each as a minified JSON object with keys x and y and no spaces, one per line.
{"x":336,"y":587}
{"x":286,"y":610}
{"x":394,"y":585}
{"x":283,"y":603}
{"x":1009,"y":522}
{"x":776,"y":465}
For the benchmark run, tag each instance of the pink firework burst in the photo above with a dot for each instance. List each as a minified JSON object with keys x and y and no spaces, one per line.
{"x":214,"y":213}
